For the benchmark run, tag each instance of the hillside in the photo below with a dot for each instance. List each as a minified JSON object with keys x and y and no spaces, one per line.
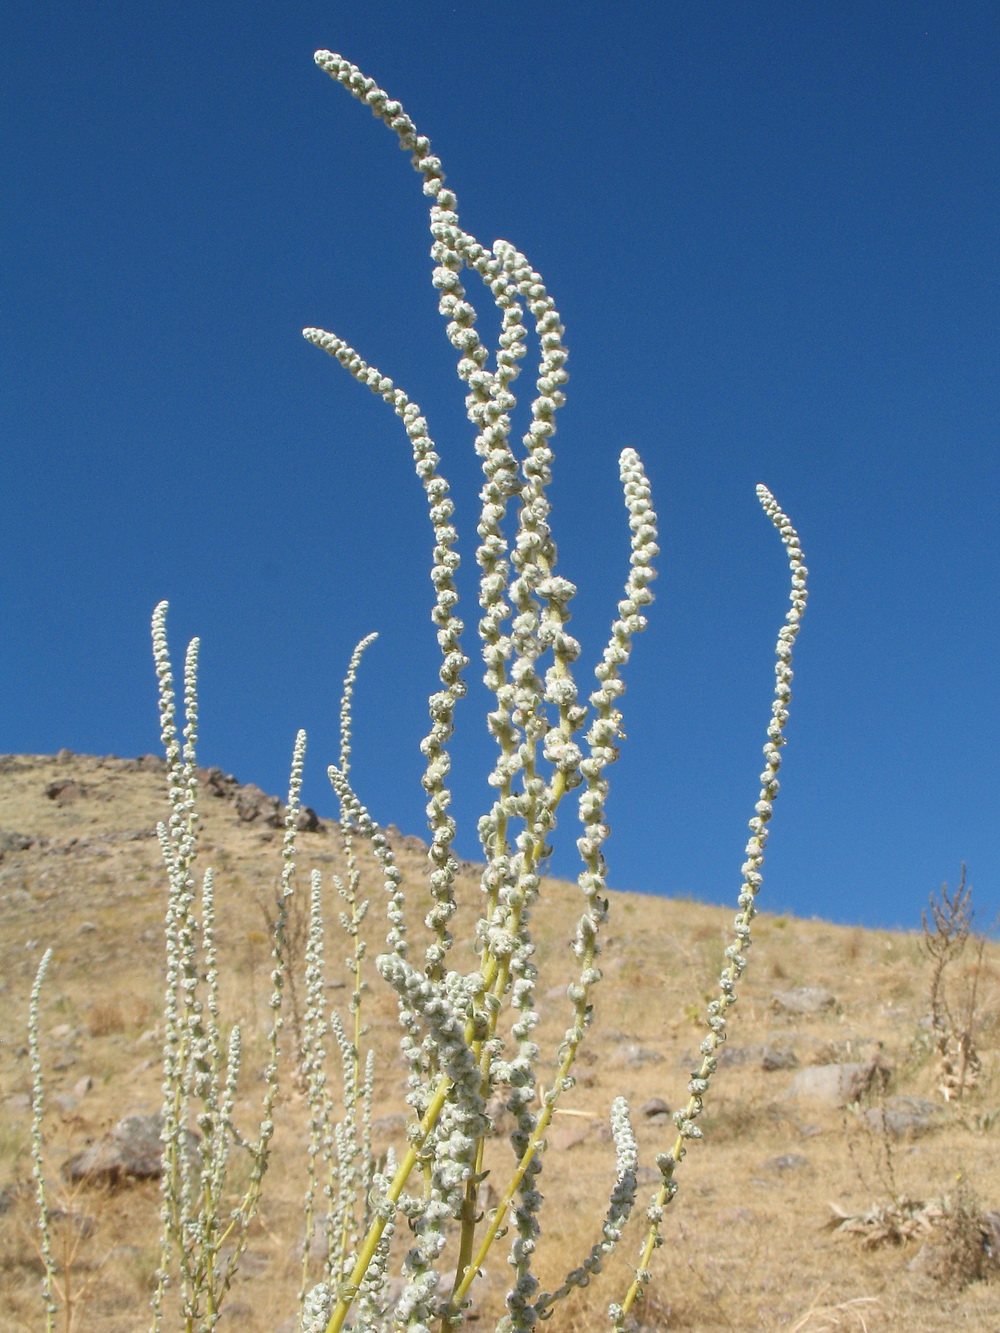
{"x":748,"y":1246}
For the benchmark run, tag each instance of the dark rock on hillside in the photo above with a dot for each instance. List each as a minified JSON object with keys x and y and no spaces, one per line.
{"x":133,"y":1149}
{"x":65,"y":790}
{"x":251,"y":804}
{"x":778,"y":1057}
{"x":217,"y":783}
{"x":656,"y":1110}
{"x":254,"y":806}
{"x":405,"y":841}
{"x":14,"y":842}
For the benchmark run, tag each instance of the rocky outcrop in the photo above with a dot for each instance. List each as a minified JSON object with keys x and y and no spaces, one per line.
{"x":252,"y":805}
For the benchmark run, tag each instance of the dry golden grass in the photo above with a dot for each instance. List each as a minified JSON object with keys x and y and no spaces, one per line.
{"x":747,"y":1246}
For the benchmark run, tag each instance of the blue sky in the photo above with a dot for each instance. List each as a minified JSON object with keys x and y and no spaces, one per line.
{"x":771,"y":231}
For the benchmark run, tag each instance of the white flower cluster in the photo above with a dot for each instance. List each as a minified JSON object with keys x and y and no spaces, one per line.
{"x":316,"y":1309}
{"x":200,"y":1069}
{"x":458,"y":1053}
{"x":735,"y":953}
{"x":451,"y":1039}
{"x":37,"y":1147}
{"x":528,"y":654}
{"x":619,"y":1208}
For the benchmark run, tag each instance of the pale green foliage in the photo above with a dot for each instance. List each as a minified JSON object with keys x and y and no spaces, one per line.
{"x":201,"y":1244}
{"x":468,"y":1038}
{"x":37,"y":1145}
{"x":549,"y":745}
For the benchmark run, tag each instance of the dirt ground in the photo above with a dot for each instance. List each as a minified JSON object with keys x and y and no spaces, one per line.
{"x":748,"y":1244}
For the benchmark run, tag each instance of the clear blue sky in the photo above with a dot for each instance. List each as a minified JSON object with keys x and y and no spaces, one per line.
{"x":772,"y":232}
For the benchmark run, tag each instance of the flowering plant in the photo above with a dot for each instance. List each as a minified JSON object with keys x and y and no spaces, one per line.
{"x":468,"y":1037}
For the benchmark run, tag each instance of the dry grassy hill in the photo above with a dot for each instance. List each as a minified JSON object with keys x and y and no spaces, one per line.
{"x":748,"y":1245}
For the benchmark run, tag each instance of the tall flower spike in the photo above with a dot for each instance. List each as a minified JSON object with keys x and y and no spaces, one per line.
{"x":507,"y":275}
{"x":198,"y":1080}
{"x":449,"y":629}
{"x":735,"y":954}
{"x":37,"y":1156}
{"x":528,"y":655}
{"x":619,"y":1208}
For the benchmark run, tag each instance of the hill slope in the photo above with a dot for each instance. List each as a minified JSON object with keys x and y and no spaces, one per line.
{"x":746,"y":1245}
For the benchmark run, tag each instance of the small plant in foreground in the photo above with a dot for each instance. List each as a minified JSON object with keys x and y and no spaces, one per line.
{"x":468,"y":1037}
{"x":961,"y":1240}
{"x":967,"y":1243}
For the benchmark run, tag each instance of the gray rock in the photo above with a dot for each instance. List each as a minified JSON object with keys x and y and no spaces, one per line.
{"x":14,"y":842}
{"x":905,"y":1116}
{"x":569,"y":1132}
{"x":635,"y":1056}
{"x":656,"y":1110}
{"x":135,"y":834}
{"x":236,"y":1310}
{"x":835,"y":1085}
{"x":775,"y":1057}
{"x":319,"y":1245}
{"x":789,"y":1161}
{"x":250,"y":1263}
{"x":736,"y":1055}
{"x":803,"y":1000}
{"x":133,"y":1149}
